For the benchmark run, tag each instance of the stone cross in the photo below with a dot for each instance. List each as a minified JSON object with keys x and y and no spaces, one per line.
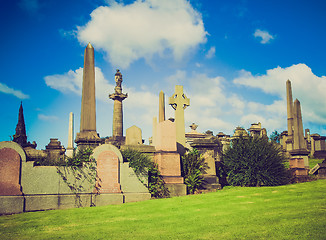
{"x":179,"y":102}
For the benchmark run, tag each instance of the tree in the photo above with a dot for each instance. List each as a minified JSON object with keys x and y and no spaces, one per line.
{"x":193,"y":167}
{"x":275,"y":137}
{"x":253,"y":161}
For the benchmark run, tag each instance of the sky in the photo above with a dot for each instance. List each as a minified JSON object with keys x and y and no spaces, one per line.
{"x":233,"y":59}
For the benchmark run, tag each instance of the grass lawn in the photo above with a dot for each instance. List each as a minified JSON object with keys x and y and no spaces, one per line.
{"x":295,"y":211}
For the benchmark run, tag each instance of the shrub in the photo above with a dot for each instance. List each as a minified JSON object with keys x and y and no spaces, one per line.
{"x":253,"y":161}
{"x":193,"y":166}
{"x":144,"y":167}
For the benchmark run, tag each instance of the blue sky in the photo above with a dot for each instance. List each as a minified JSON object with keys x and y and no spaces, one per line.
{"x":232,"y":57}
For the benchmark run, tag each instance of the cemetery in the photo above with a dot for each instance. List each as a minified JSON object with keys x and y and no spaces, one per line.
{"x":34,"y":180}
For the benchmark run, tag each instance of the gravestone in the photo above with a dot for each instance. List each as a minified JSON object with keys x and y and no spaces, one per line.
{"x":11,"y":199}
{"x":9,"y":172}
{"x":133,"y":136}
{"x":168,"y":159}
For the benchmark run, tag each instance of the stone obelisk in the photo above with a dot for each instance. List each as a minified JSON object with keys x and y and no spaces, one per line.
{"x":289,"y":100}
{"x":118,"y":97}
{"x":299,"y":144}
{"x":70,"y":148}
{"x":161,"y":111}
{"x":179,"y":102}
{"x":88,"y":137}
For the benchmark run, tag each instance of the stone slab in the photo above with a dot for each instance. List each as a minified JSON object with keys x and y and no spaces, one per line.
{"x":108,"y":199}
{"x":130,"y":182}
{"x":166,"y":138}
{"x":297,"y":163}
{"x":48,"y":202}
{"x":177,"y":189}
{"x":11,"y":204}
{"x":136,"y":197}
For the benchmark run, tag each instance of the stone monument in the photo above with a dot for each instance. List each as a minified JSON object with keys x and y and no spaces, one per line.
{"x":88,"y":137}
{"x":289,"y":101}
{"x":179,"y":102}
{"x":118,"y":97}
{"x":70,"y":148}
{"x":161,"y":113}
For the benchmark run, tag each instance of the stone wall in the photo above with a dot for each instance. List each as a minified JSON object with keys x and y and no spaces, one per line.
{"x":43,"y":188}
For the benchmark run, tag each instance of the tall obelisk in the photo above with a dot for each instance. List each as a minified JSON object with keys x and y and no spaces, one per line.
{"x":88,"y":137}
{"x":161,"y":111}
{"x":70,"y":148}
{"x":118,"y":97}
{"x":289,"y":100}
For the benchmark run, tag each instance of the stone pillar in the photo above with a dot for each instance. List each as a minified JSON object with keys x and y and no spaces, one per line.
{"x":289,"y":100}
{"x":70,"y":148}
{"x":88,"y":137}
{"x":118,"y":97}
{"x":161,"y":113}
{"x":179,"y":102}
{"x":299,"y":144}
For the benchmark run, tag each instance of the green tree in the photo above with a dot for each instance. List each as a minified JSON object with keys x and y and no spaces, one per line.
{"x":275,"y":137}
{"x":253,"y":161}
{"x":193,"y":167}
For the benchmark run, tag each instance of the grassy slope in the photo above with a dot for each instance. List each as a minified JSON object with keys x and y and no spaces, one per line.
{"x":287,"y":212}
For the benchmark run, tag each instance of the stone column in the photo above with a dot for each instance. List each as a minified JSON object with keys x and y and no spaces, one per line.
{"x":70,"y":148}
{"x":88,"y":137}
{"x":161,"y":113}
{"x":179,"y":102}
{"x":289,"y":99}
{"x":118,"y":97}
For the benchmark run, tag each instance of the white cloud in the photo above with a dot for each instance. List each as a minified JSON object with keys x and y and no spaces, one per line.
{"x":306,"y":86}
{"x":143,"y":29}
{"x":47,"y":117}
{"x":264,"y":35}
{"x":210,"y":53}
{"x":17,"y":93}
{"x":72,"y":82}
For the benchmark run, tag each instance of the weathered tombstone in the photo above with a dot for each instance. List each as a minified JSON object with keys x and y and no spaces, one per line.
{"x":109,"y":160}
{"x":319,"y":170}
{"x":133,"y":136}
{"x":11,"y":199}
{"x":168,"y":159}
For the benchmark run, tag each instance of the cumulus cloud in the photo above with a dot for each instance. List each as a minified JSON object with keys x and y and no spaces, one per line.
{"x":210,"y":53}
{"x":71,"y":82}
{"x":265,"y":36}
{"x":306,"y":86}
{"x":17,"y":93}
{"x":143,"y":29}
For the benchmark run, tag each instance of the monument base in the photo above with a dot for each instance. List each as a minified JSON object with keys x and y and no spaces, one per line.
{"x":211,"y":182}
{"x":87,"y":139}
{"x":176,"y":189}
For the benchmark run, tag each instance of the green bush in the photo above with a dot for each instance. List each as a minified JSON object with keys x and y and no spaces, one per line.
{"x":193,"y":167}
{"x":253,"y":161}
{"x":144,"y":167}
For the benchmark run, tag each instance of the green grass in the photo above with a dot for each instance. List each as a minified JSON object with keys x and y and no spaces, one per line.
{"x":295,"y":211}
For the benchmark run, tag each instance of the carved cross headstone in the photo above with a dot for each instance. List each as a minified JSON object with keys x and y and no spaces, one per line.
{"x":179,"y":102}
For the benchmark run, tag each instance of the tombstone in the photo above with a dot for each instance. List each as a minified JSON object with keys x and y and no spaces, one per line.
{"x":11,"y":199}
{"x":318,"y":146}
{"x":168,"y":159}
{"x":133,"y":136}
{"x":10,"y":162}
